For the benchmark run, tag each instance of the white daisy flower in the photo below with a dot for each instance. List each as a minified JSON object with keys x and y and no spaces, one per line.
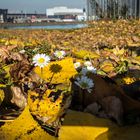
{"x":84,"y":71}
{"x":60,"y":54}
{"x":41,"y":60}
{"x":85,"y":83}
{"x":88,"y":63}
{"x":77,"y":65}
{"x":91,"y":69}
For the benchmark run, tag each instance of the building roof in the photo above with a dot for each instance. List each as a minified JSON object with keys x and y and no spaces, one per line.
{"x":63,"y":10}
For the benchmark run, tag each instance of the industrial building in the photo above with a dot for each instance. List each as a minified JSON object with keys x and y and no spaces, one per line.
{"x":24,"y":17}
{"x":3,"y":15}
{"x":66,"y":14}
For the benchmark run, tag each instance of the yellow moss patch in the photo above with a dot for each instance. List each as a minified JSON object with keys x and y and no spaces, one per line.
{"x":107,"y":66}
{"x":83,"y":126}
{"x":129,"y":80}
{"x":7,"y":70}
{"x":24,"y":128}
{"x":118,"y":51}
{"x":125,"y":80}
{"x":1,"y":96}
{"x":85,"y":54}
{"x":45,"y":108}
{"x":58,"y":71}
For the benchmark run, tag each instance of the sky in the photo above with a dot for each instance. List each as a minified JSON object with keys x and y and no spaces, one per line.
{"x":39,"y":6}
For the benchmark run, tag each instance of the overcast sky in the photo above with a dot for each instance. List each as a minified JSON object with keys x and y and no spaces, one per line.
{"x":39,"y":5}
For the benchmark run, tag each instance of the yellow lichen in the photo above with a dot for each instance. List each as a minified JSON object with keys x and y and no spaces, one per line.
{"x":107,"y":66}
{"x":24,"y":128}
{"x":118,"y":51}
{"x":58,"y":71}
{"x":1,"y":96}
{"x":45,"y":107}
{"x":129,"y":80}
{"x":83,"y":54}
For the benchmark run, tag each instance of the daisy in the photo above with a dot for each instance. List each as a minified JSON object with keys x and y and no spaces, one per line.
{"x":41,"y":60}
{"x":91,"y":69}
{"x":77,"y":65}
{"x":84,"y":71}
{"x":85,"y":83}
{"x":88,"y":63}
{"x":60,"y":54}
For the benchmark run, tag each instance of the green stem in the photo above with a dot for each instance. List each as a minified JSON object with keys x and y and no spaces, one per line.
{"x":51,"y":78}
{"x":41,"y":75}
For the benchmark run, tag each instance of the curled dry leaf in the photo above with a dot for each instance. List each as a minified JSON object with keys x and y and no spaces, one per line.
{"x":11,"y":47}
{"x":4,"y":53}
{"x":18,"y":98}
{"x":16,"y":56}
{"x":34,"y":77}
{"x":19,"y":70}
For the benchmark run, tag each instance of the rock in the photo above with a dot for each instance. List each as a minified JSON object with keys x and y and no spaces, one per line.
{"x":84,"y":126}
{"x":113,"y":108}
{"x":93,"y":108}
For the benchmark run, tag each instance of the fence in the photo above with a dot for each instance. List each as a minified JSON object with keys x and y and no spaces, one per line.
{"x":114,"y":9}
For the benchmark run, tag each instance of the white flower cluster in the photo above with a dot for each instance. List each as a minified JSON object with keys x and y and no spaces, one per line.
{"x":83,"y":81}
{"x":88,"y":67}
{"x":43,"y":60}
{"x":60,"y":54}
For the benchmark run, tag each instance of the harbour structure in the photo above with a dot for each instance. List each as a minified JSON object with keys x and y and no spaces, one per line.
{"x":66,"y":14}
{"x":24,"y":17}
{"x":3,"y":15}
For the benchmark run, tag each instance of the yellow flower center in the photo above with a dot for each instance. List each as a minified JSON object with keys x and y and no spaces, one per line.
{"x":41,"y":60}
{"x":59,"y":54}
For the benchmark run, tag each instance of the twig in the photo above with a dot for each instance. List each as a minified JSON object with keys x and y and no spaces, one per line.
{"x":6,"y":120}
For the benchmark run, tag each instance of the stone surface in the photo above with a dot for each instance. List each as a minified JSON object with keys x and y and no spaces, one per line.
{"x":84,"y":126}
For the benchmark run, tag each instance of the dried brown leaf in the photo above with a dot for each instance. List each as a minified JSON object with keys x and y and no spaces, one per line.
{"x":19,"y":70}
{"x":18,"y":98}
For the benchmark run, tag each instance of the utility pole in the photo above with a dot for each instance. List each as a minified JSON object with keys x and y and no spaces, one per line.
{"x":88,"y":3}
{"x":138,"y":9}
